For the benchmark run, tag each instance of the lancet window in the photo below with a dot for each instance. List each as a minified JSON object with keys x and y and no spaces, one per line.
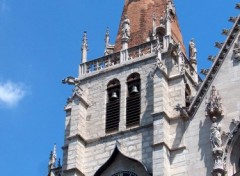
{"x":113,"y":106}
{"x":133,"y":100}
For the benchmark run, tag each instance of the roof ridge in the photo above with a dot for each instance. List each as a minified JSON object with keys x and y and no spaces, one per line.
{"x":214,"y":69}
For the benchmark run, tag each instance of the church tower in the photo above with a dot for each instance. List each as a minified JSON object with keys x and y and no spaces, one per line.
{"x":139,"y":110}
{"x":128,"y":109}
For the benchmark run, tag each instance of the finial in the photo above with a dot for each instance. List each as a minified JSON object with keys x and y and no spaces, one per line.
{"x":84,"y":41}
{"x":211,"y":58}
{"x":225,"y":31}
{"x":107,"y":40}
{"x":84,"y":47}
{"x":59,"y":162}
{"x":172,"y":9}
{"x":218,"y":45}
{"x":52,"y":158}
{"x":232,"y":19}
{"x":107,"y":37}
{"x":237,"y":6}
{"x":55,"y":151}
{"x":192,"y":50}
{"x":204,"y":71}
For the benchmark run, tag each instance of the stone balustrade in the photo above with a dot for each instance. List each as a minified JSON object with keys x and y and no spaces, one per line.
{"x":117,"y":58}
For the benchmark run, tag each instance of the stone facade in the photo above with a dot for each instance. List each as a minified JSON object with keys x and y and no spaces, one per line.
{"x":186,"y":126}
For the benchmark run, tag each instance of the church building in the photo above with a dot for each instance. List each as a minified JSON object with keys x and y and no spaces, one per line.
{"x":141,"y":109}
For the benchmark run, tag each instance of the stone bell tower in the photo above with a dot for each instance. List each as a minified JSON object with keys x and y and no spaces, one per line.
{"x":128,"y":109}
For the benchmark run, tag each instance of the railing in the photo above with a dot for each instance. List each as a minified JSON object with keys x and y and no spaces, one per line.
{"x":117,"y":58}
{"x":131,"y":54}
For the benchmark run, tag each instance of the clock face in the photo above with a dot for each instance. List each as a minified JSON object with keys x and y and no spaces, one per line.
{"x":125,"y":173}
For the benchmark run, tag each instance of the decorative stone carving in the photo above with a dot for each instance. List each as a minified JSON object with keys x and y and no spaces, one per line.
{"x":232,"y":19}
{"x":53,"y":158}
{"x":214,"y":105}
{"x":237,"y":6}
{"x":159,"y":53}
{"x":211,"y":58}
{"x":154,"y":32}
{"x":84,"y":41}
{"x":218,"y":45}
{"x":162,"y":22}
{"x":192,"y":50}
{"x":69,"y":80}
{"x":217,"y":150}
{"x":181,"y":64}
{"x":126,"y":28}
{"x":236,"y":52}
{"x":225,"y":32}
{"x":228,"y":143}
{"x":125,"y":38}
{"x":204,"y":71}
{"x":73,"y":81}
{"x":183,"y":112}
{"x":214,"y":110}
{"x":108,"y":47}
{"x":215,"y":136}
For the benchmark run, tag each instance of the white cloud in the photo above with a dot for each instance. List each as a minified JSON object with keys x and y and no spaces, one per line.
{"x":11,"y":93}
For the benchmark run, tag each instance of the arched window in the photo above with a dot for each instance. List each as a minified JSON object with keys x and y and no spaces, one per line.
{"x":113,"y":106}
{"x":133,"y":100}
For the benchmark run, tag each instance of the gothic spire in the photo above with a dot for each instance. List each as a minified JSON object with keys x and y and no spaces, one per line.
{"x":140,"y":13}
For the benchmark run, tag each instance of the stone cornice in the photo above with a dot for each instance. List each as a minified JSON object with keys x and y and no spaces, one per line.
{"x":85,"y":142}
{"x":215,"y":68}
{"x":169,"y":148}
{"x":162,"y":114}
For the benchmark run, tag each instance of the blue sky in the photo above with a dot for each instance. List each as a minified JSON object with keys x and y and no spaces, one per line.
{"x":40,"y":45}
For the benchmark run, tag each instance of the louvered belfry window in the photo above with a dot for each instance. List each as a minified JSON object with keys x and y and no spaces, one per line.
{"x":113,"y":106}
{"x":133,"y":100}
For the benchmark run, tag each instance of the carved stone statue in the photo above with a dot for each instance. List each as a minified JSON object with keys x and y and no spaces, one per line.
{"x":192,"y":50}
{"x":158,"y":50}
{"x":154,"y":32}
{"x":215,"y":135}
{"x":126,"y":28}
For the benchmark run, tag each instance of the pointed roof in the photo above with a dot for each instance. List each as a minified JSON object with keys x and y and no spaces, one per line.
{"x":140,"y":13}
{"x":113,"y":157}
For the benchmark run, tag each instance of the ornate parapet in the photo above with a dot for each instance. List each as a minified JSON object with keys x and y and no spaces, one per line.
{"x":117,"y":58}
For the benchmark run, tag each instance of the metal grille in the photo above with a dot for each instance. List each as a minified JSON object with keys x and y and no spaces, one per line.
{"x":113,"y":114}
{"x":133,"y":110}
